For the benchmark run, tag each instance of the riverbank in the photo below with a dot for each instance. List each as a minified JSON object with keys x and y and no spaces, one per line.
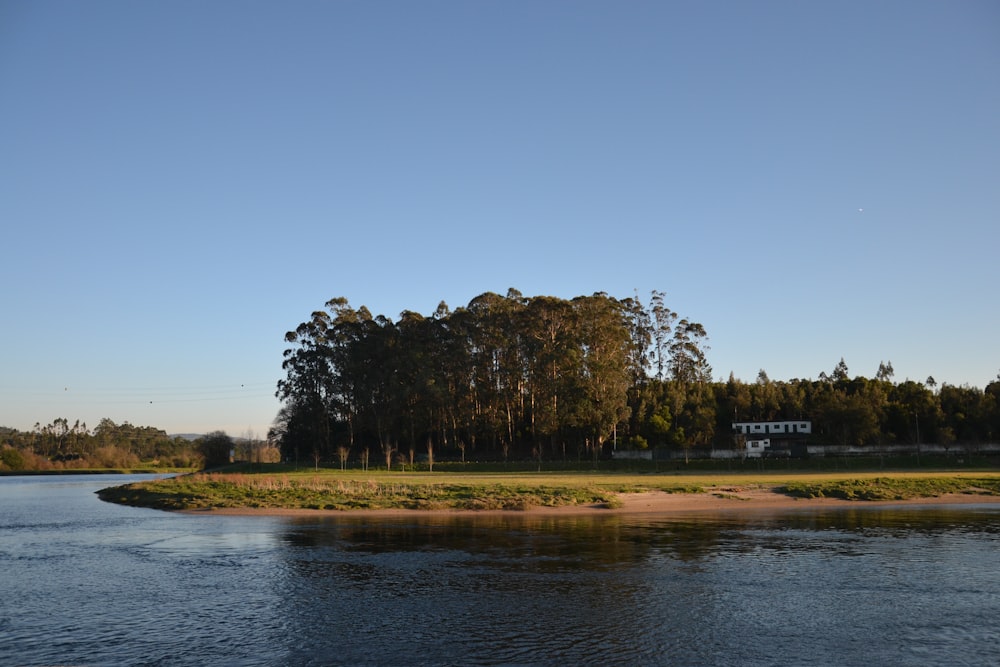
{"x":565,"y":493}
{"x":653,"y":503}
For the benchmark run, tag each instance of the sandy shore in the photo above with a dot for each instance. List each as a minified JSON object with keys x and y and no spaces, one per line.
{"x":648,"y":503}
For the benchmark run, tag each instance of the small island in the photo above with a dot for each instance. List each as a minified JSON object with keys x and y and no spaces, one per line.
{"x":334,"y":491}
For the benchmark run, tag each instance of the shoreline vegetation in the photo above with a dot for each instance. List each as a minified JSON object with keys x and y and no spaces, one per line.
{"x":355,"y":492}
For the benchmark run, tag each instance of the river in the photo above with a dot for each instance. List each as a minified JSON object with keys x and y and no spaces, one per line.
{"x":83,"y":582}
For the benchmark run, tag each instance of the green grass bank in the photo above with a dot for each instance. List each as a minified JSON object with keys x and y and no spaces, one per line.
{"x":475,"y":490}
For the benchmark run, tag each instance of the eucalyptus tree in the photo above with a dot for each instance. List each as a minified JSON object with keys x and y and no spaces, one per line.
{"x":384,"y":395}
{"x":688,"y":348}
{"x":324,"y":377}
{"x":738,"y":399}
{"x":451,"y":389}
{"x":309,"y":385}
{"x":847,"y":419}
{"x":433,"y":375}
{"x":641,"y":354}
{"x":911,"y":406}
{"x":551,"y":337}
{"x":344,"y":343}
{"x":840,"y":373}
{"x":606,"y":342}
{"x":497,"y":372}
{"x":662,"y":322}
{"x":555,"y":353}
{"x":792,"y":398}
{"x":640,"y":326}
{"x":508,"y":369}
{"x":415,"y":379}
{"x":765,"y":403}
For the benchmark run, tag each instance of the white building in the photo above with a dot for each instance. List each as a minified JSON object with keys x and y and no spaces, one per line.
{"x":772,"y":428}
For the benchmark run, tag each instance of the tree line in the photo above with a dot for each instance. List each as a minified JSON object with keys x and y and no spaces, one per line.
{"x":543,"y":377}
{"x":62,"y":445}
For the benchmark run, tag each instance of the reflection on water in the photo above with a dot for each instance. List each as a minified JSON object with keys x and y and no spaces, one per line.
{"x":86,"y":582}
{"x":824,"y":587}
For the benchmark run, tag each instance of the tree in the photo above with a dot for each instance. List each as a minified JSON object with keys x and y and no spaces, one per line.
{"x":605,"y":340}
{"x":848,"y":418}
{"x":553,"y":364}
{"x":217,"y":448}
{"x":840,"y":372}
{"x":738,"y":399}
{"x":12,"y":459}
{"x":309,"y":386}
{"x":688,"y":360}
{"x":964,"y":413}
{"x":765,"y":398}
{"x":885,"y":372}
{"x":663,"y":320}
{"x":911,"y":407}
{"x":515,"y":373}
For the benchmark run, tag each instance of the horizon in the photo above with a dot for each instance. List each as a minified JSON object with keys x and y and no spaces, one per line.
{"x":249,"y":433}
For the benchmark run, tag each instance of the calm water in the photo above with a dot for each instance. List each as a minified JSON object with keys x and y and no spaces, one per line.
{"x":83,"y":582}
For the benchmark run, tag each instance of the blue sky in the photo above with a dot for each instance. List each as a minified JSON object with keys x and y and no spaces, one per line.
{"x":182,"y":182}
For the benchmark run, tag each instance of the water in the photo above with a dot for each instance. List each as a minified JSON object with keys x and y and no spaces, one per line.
{"x":84,"y":582}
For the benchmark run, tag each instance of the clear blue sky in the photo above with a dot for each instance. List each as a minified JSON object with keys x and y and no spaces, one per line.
{"x":182,"y":182}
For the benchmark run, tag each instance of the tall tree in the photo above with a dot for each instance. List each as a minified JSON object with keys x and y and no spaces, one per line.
{"x":605,"y":341}
{"x":688,"y":358}
{"x":553,"y":367}
{"x":663,"y":320}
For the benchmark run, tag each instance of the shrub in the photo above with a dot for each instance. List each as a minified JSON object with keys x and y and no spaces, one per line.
{"x":12,"y":459}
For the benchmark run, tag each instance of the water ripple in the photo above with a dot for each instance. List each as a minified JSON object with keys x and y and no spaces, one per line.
{"x":107,"y":585}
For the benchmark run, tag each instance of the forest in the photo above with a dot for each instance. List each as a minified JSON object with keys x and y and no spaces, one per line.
{"x":515,"y":377}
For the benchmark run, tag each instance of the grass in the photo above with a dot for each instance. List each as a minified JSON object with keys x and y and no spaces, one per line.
{"x":344,"y":493}
{"x":892,"y":488}
{"x":382,"y":490}
{"x":349,"y":490}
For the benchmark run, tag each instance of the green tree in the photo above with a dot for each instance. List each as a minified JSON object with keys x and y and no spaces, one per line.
{"x":840,"y":373}
{"x":605,"y":342}
{"x":216,"y":448}
{"x":509,"y":371}
{"x":553,"y":365}
{"x":12,"y":459}
{"x":688,"y":359}
{"x":662,"y":321}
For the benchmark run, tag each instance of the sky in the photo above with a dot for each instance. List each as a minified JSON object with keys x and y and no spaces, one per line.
{"x":183,"y":182}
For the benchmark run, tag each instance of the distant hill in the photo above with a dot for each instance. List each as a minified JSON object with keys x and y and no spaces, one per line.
{"x":194,"y":436}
